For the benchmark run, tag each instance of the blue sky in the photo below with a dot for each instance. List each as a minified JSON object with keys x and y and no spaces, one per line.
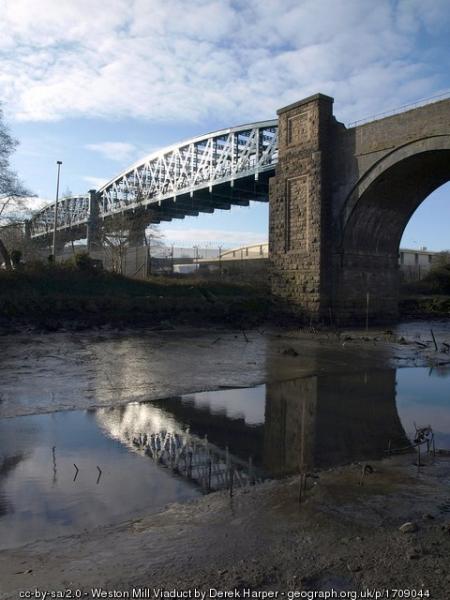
{"x":99,"y":85}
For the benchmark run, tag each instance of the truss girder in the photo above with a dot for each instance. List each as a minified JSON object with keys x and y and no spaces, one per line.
{"x":200,"y":163}
{"x":71,"y":212}
{"x":186,"y":168}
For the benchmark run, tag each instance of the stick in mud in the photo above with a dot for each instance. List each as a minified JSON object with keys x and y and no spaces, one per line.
{"x":302,"y":487}
{"x":367,"y":310}
{"x":245,"y":336}
{"x":434,"y":340}
{"x":231,"y":480}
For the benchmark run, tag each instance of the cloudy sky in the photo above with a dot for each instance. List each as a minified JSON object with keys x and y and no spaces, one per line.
{"x":98,"y":84}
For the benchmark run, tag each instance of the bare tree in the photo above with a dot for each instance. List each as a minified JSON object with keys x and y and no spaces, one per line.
{"x":13,"y":194}
{"x":115,"y":239}
{"x":154,"y":242}
{"x":119,"y":232}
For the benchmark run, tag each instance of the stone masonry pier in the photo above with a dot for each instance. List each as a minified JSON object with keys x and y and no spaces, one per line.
{"x":340,"y":201}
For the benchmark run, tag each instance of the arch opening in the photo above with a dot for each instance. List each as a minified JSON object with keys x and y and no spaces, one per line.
{"x":366,"y":261}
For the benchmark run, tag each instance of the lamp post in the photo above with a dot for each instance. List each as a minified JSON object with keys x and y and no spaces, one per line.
{"x":55,"y":219}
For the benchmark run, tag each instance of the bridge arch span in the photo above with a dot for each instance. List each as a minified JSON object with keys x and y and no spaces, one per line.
{"x":373,"y":221}
{"x":385,"y":166}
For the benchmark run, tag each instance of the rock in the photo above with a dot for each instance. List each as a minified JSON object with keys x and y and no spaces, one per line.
{"x":428,"y":516}
{"x":408,"y":527}
{"x":354,"y":567}
{"x":290,"y":352}
{"x":414,"y":553}
{"x":446,"y":527}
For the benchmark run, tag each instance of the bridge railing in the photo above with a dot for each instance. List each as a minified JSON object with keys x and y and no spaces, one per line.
{"x":401,"y":109}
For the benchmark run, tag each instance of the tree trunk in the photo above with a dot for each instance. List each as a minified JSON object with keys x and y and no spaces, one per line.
{"x":5,"y":255}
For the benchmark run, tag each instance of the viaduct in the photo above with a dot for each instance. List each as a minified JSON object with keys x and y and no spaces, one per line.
{"x":339,"y":198}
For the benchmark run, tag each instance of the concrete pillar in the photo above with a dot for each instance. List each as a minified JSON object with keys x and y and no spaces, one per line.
{"x":299,"y":219}
{"x":27,"y":230}
{"x":93,"y":234}
{"x":136,"y":236}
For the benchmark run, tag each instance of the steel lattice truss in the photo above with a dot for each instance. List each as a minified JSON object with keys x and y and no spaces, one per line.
{"x":201,"y":163}
{"x":72,"y":212}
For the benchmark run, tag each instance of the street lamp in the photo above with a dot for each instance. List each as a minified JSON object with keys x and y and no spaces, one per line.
{"x":55,"y":219}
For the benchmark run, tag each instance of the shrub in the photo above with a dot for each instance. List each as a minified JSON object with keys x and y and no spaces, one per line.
{"x":84,"y":262}
{"x":439,"y":279}
{"x":16,"y":258}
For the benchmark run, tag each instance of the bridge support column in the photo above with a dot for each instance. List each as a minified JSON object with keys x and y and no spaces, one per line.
{"x":93,"y":235}
{"x":299,"y":227}
{"x":136,"y":235}
{"x":366,"y":288}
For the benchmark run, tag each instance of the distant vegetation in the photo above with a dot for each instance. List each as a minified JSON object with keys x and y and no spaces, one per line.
{"x":431,"y":295}
{"x":79,"y":294}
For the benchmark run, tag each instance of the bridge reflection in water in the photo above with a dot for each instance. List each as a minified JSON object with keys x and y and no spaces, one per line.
{"x":268,"y":431}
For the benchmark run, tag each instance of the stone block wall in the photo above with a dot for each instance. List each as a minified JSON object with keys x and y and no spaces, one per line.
{"x":298,"y":215}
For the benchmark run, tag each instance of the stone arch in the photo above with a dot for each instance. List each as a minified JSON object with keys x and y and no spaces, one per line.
{"x":372,"y":222}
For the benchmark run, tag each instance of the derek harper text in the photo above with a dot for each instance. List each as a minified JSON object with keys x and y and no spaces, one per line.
{"x":163,"y":594}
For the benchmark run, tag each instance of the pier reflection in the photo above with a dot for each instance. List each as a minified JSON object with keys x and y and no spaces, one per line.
{"x":325,"y":421}
{"x":271,"y":430}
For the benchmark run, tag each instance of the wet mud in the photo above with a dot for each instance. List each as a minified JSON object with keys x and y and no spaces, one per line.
{"x":79,"y":370}
{"x":343,"y":535}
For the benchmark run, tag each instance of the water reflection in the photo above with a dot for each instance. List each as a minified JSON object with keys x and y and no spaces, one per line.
{"x":136,"y":458}
{"x":329,"y":420}
{"x":278,"y":428}
{"x":39,"y":494}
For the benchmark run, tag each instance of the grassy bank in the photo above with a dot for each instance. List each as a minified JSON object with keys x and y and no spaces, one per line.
{"x":53,"y":297}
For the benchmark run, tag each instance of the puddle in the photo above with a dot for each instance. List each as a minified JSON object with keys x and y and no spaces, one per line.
{"x":39,"y":494}
{"x":137,"y":458}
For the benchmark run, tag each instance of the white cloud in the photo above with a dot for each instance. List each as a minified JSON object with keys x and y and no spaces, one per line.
{"x":19,"y":209}
{"x":96,"y":182}
{"x":171,"y":60}
{"x":120,"y":151}
{"x":211,"y":236}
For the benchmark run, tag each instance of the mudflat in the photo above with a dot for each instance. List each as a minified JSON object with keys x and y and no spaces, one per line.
{"x":346,"y":532}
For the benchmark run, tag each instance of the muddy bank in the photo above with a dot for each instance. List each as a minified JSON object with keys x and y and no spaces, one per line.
{"x":343,"y":536}
{"x":80,"y":370}
{"x":53,"y":297}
